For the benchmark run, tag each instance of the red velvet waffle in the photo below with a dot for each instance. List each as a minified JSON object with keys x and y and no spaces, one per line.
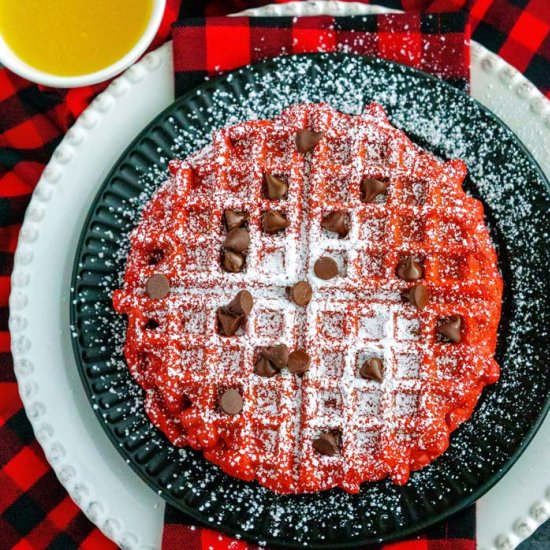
{"x":379,"y":427}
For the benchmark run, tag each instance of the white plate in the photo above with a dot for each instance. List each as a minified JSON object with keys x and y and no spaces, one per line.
{"x":91,"y":470}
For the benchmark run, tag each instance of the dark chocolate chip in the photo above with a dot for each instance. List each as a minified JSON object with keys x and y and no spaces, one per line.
{"x":232,"y":261}
{"x":371,"y":188}
{"x":277,"y":355}
{"x":231,"y":402}
{"x":242,"y":303}
{"x":372,"y":369}
{"x":276,"y":188}
{"x":306,"y":140}
{"x":337,"y":222}
{"x":264,"y":367}
{"x":298,"y":361}
{"x":301,"y":293}
{"x":326,"y":444}
{"x":155,"y":256}
{"x":228,"y":322}
{"x":237,"y":240}
{"x":151,"y":324}
{"x":409,"y":269}
{"x":450,"y":328}
{"x":325,"y":268}
{"x":274,"y":221}
{"x":157,"y":286}
{"x":234,"y":218}
{"x":418,"y":296}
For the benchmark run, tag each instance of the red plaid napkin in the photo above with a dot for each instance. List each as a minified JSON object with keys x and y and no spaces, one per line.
{"x":35,"y":511}
{"x":435,"y":43}
{"x":457,"y":533}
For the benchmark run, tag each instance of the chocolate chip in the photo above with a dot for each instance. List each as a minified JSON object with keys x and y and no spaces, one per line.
{"x":325,"y":268}
{"x":232,"y":261}
{"x":337,"y":222}
{"x":306,"y":140}
{"x":371,"y":188}
{"x":298,"y":361}
{"x":234,"y":218}
{"x":326,"y":444}
{"x":277,"y":355}
{"x":372,"y":369}
{"x":157,"y":286}
{"x":274,"y":221}
{"x":151,"y":324}
{"x":409,"y":269}
{"x":450,"y":328}
{"x":231,"y":402}
{"x":418,"y":296}
{"x":276,"y":188}
{"x":155,"y":256}
{"x":228,"y":322}
{"x":242,"y":303}
{"x":301,"y":293}
{"x":237,"y":240}
{"x":264,"y":367}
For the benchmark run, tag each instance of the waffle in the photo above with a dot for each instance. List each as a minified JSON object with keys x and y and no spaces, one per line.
{"x":373,"y":428}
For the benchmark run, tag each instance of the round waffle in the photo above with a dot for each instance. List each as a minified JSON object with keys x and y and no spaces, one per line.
{"x":398,"y":320}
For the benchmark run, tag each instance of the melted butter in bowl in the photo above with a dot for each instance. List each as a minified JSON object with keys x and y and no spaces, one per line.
{"x":75,"y":43}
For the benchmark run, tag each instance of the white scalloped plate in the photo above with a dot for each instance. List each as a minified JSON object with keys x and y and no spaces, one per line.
{"x":91,"y":470}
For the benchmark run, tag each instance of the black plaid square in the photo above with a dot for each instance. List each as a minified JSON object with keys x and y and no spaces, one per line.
{"x":24,"y":514}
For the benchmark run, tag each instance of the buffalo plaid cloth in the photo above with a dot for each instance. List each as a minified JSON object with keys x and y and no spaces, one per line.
{"x":35,"y":511}
{"x":435,"y":43}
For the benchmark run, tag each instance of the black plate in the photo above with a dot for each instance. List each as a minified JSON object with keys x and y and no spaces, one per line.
{"x":516,"y":198}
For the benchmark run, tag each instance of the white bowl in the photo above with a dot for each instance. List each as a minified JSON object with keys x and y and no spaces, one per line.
{"x":14,"y":63}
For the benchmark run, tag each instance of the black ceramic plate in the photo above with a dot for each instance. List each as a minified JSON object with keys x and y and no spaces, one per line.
{"x":516,"y":198}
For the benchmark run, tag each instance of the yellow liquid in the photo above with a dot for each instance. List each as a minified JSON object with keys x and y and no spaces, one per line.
{"x":72,"y":37}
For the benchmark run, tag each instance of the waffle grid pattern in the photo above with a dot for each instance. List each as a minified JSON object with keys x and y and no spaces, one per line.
{"x":429,"y":386}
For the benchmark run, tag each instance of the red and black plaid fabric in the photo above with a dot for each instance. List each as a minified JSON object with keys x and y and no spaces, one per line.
{"x":517,"y":30}
{"x":35,"y":511}
{"x":435,"y":43}
{"x":457,"y":533}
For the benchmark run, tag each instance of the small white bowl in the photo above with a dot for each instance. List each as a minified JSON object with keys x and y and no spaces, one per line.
{"x":10,"y":60}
